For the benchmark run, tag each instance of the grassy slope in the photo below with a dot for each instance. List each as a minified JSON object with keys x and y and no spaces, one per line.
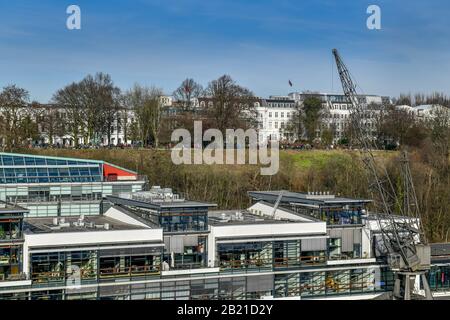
{"x":337,"y":171}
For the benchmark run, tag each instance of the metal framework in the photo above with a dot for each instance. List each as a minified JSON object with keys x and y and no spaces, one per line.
{"x":403,"y":239}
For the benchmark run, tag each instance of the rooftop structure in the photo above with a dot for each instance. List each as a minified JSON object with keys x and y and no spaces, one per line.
{"x":76,"y":224}
{"x":166,"y":209}
{"x":318,"y":198}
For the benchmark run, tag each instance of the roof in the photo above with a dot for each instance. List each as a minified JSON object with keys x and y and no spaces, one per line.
{"x":159,"y":205}
{"x":440,"y":249}
{"x":304,"y":198}
{"x":99,"y":162}
{"x":6,"y":208}
{"x":240,"y":217}
{"x":91,"y":223}
{"x":50,"y":157}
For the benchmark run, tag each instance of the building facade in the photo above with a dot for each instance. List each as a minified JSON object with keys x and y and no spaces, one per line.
{"x":157,"y":245}
{"x":275,"y":114}
{"x":51,"y":130}
{"x":56,"y":186}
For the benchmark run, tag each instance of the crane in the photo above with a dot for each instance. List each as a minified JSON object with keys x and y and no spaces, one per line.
{"x":403,"y":239}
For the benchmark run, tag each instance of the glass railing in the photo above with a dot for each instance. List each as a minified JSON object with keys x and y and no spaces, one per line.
{"x":13,"y":277}
{"x":255,"y":265}
{"x":135,"y":271}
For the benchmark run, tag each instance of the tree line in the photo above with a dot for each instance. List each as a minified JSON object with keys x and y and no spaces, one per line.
{"x":93,"y":108}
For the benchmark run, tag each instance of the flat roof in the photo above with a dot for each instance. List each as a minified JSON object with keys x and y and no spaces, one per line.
{"x":160,"y":204}
{"x":307,"y":198}
{"x":6,"y":207}
{"x":91,"y":223}
{"x":440,"y":249}
{"x":241,"y":217}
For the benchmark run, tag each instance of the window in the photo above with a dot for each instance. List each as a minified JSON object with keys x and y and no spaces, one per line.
{"x":334,"y":248}
{"x":312,"y":283}
{"x":250,"y":255}
{"x":337,"y":282}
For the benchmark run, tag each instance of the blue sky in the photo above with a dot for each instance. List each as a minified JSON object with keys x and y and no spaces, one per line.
{"x":260,"y":43}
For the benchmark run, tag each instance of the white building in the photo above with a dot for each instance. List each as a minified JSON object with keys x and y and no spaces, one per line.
{"x":124,"y":116}
{"x":275,"y":113}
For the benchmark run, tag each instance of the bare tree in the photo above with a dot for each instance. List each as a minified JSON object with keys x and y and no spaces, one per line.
{"x":403,"y":99}
{"x":147,"y":108}
{"x":49,"y":121}
{"x":439,"y":125}
{"x":311,"y":116}
{"x":186,"y":92}
{"x":14,"y":102}
{"x":91,"y":107}
{"x":70,"y":102}
{"x":295,"y":126}
{"x":100,"y":105}
{"x":229,"y":105}
{"x":393,"y":125}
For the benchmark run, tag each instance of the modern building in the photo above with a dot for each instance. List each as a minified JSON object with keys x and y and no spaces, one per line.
{"x":439,"y":276}
{"x":158,"y":245}
{"x":11,"y":241}
{"x":56,"y":186}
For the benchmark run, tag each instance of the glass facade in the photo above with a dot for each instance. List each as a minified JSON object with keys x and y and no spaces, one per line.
{"x":439,"y":278}
{"x":248,"y":255}
{"x":344,"y":215}
{"x":93,"y":265}
{"x":190,"y":254}
{"x":10,"y":261}
{"x":10,"y":228}
{"x":267,"y":255}
{"x":128,"y":263}
{"x":324,"y":283}
{"x":184,"y":219}
{"x":34,"y":169}
{"x":10,"y":244}
{"x":49,"y":186}
{"x":304,"y":284}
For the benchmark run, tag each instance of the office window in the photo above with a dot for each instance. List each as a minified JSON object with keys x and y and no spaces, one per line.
{"x":334,"y":248}
{"x":312,"y":283}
